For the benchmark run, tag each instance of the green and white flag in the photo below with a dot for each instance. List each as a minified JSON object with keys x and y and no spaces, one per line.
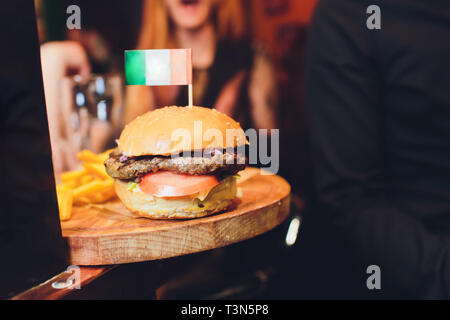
{"x":158,"y":67}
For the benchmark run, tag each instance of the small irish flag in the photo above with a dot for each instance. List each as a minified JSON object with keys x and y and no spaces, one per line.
{"x":158,"y":67}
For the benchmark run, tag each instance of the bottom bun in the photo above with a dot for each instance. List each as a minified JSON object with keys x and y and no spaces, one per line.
{"x":145,"y":205}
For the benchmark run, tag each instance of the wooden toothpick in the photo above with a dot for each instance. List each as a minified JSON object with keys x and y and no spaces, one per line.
{"x":191,"y":96}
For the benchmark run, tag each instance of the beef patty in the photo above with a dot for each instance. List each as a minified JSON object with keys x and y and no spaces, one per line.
{"x":220,"y":164}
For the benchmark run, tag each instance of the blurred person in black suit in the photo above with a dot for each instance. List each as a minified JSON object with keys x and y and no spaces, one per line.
{"x":31,"y":245}
{"x":379,"y":119}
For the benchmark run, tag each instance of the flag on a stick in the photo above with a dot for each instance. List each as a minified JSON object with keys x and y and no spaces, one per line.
{"x":158,"y":67}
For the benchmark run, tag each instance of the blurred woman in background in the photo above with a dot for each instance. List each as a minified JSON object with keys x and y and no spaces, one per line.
{"x":229,"y":74}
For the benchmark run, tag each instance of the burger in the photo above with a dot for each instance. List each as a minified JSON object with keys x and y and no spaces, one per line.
{"x":178,"y":163}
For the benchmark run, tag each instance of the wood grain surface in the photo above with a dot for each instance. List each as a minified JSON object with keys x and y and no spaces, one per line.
{"x":45,"y":291}
{"x":111,"y":234}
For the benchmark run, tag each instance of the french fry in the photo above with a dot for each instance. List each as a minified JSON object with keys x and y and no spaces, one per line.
{"x":92,"y":187}
{"x":86,"y":179}
{"x":71,"y":184}
{"x":96,"y":169}
{"x":65,"y":200}
{"x":105,"y":155}
{"x":72,"y":175}
{"x":98,"y":198}
{"x":88,"y":157}
{"x":109,"y":192}
{"x":89,"y":185}
{"x":108,"y":195}
{"x":82,"y":200}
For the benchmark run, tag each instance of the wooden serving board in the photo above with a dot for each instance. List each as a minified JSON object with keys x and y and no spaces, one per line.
{"x":111,"y":234}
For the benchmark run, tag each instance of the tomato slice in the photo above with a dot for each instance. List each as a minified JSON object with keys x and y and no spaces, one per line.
{"x":166,"y":184}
